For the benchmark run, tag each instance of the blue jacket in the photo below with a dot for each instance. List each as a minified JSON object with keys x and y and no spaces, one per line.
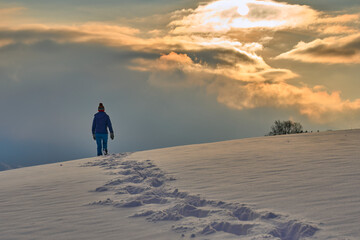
{"x":101,"y":122}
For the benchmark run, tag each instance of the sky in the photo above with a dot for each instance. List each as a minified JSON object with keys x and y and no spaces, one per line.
{"x":171,"y":72}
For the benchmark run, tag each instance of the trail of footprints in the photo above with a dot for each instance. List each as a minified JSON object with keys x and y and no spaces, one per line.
{"x":143,"y":186}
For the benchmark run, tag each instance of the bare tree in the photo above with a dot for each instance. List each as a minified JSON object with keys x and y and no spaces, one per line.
{"x":285,"y":127}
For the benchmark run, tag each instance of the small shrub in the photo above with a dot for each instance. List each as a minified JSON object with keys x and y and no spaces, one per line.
{"x":285,"y":127}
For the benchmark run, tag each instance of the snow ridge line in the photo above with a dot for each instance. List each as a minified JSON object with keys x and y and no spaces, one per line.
{"x":142,"y":185}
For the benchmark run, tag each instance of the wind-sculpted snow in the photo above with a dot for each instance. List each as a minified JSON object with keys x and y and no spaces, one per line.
{"x":148,"y":190}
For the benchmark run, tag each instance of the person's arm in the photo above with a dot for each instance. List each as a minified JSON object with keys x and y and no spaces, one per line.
{"x":93,"y":128}
{"x":110,"y":125}
{"x":110,"y":128}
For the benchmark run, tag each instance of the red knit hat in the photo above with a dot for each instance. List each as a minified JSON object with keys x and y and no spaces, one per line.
{"x":101,"y":107}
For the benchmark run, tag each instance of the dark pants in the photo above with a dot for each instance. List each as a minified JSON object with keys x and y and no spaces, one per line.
{"x":101,"y":141}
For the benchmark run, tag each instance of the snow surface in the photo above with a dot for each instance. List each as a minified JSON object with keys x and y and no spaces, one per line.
{"x":303,"y":186}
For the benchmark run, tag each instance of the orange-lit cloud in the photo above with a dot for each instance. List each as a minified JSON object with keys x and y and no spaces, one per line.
{"x":122,"y":36}
{"x":318,"y":105}
{"x":104,"y":34}
{"x":224,"y":15}
{"x":4,"y":42}
{"x":15,"y":15}
{"x":249,"y":70}
{"x":249,"y":89}
{"x":336,"y":24}
{"x":329,"y":50}
{"x":4,"y":12}
{"x":344,"y":18}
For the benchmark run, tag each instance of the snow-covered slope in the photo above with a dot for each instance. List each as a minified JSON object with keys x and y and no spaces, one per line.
{"x":284,"y":187}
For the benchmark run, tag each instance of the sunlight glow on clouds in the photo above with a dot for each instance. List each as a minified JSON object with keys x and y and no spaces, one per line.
{"x":245,"y":70}
{"x":204,"y":47}
{"x":225,"y":15}
{"x":247,"y":89}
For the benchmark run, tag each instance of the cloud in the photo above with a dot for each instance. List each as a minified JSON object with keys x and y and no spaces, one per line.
{"x":330,"y":50}
{"x":13,"y":15}
{"x":318,"y":105}
{"x":252,"y":69}
{"x":242,"y":88}
{"x":121,"y":37}
{"x":96,"y":33}
{"x":336,"y":24}
{"x":217,"y":46}
{"x":344,"y":18}
{"x":10,"y":11}
{"x":224,"y":15}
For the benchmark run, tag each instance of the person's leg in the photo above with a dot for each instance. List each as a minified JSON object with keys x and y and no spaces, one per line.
{"x":99,"y":144}
{"x":105,"y":141}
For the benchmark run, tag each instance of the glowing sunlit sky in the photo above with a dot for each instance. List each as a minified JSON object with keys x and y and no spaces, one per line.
{"x":172,"y":72}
